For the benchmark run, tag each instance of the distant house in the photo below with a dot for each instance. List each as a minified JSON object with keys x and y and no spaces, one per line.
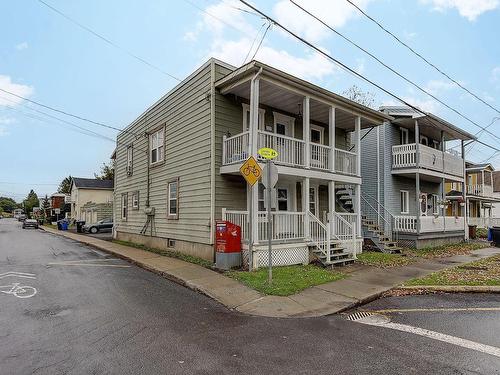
{"x":89,"y":196}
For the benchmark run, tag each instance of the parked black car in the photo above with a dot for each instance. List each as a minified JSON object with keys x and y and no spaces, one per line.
{"x":104,"y":225}
{"x":30,"y":223}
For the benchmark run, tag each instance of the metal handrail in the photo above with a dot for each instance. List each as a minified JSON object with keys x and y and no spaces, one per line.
{"x":393,"y":233}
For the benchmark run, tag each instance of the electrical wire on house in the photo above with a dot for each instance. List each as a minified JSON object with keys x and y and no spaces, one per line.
{"x":344,"y":66}
{"x":426,"y":60}
{"x":393,"y":70}
{"x":109,"y":41}
{"x":253,"y":43}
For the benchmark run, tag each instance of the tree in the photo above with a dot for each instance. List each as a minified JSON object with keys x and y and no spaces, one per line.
{"x":45,"y":209}
{"x":107,"y":172}
{"x":65,"y":185}
{"x":31,"y":201}
{"x":359,"y":96}
{"x":7,"y":204}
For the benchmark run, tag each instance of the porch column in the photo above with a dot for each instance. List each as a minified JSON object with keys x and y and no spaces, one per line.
{"x":305,"y":205}
{"x":482,"y":182}
{"x":357,"y":197}
{"x":331,"y":138}
{"x":307,"y":132}
{"x":464,"y":194}
{"x":254,"y":116}
{"x":331,"y":205}
{"x":417,"y":175}
{"x":357,"y":135}
{"x":443,"y":181}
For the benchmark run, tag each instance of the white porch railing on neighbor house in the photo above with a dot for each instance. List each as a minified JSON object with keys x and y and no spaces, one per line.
{"x":320,"y":156}
{"x":484,"y":222}
{"x":290,"y":150}
{"x":286,"y":225}
{"x":346,"y":162}
{"x":482,"y":190}
{"x":239,"y":218}
{"x":320,"y":234}
{"x":429,"y":224}
{"x":235,"y":148}
{"x":404,"y":156}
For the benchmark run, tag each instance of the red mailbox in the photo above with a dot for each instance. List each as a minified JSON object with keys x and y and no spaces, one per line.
{"x":227,"y":237}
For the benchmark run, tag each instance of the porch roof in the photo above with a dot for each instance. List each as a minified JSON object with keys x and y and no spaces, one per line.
{"x":285,"y":91}
{"x":430,"y":124}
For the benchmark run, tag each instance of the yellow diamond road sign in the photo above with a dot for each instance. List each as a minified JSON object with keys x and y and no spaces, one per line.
{"x":251,"y":170}
{"x":267,"y":153}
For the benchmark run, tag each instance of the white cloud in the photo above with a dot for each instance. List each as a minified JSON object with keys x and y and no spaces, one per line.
{"x":335,"y":13}
{"x":436,"y":87}
{"x":3,"y":131}
{"x":15,"y":88}
{"x":495,"y":73}
{"x":22,"y":46}
{"x":470,"y":9}
{"x":7,"y":120}
{"x":360,"y":66}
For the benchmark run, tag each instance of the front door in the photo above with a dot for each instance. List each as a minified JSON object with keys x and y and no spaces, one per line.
{"x":317,"y":153}
{"x":284,"y":146}
{"x":423,"y":204}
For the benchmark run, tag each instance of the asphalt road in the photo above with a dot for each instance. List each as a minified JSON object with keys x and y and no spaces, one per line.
{"x":94,"y":314}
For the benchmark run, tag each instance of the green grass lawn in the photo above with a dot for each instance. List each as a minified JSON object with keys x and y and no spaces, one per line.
{"x":383,"y":260}
{"x":287,"y":280}
{"x":461,"y":248}
{"x":169,"y":253}
{"x":50,"y":226}
{"x":482,"y":272}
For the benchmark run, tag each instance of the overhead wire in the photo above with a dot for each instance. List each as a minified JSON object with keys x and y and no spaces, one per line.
{"x":426,"y":60}
{"x":344,"y":66}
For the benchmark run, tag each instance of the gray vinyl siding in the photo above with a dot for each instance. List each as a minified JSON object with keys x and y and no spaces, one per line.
{"x":185,"y":113}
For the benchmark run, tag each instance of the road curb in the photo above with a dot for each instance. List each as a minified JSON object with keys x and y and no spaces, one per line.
{"x":450,"y":288}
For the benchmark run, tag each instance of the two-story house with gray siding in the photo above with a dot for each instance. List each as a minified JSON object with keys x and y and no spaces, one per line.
{"x":177,"y":166}
{"x":405,"y":169}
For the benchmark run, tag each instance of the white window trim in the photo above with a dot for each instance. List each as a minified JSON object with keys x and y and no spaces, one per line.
{"x":135,"y":206}
{"x":435,"y":204}
{"x":246,"y":109}
{"x":284,"y":119}
{"x":321,"y":131}
{"x":422,"y":137}
{"x":176,"y":215}
{"x":160,"y":160}
{"x":288,"y":200}
{"x":124,"y":206}
{"x":435,"y":144}
{"x":130,"y":160}
{"x":406,"y":200}
{"x":406,"y":134}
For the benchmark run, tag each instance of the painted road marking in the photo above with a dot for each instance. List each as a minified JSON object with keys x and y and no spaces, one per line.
{"x":18,"y":274}
{"x":383,"y":321}
{"x":19,"y":291}
{"x":444,"y":309}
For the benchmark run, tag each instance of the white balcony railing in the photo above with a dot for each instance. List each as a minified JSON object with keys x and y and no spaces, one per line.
{"x":235,"y":148}
{"x":481,"y":190}
{"x":429,"y":224}
{"x":346,"y":162}
{"x":404,"y":156}
{"x":290,"y":150}
{"x":484,"y":222}
{"x":320,"y":156}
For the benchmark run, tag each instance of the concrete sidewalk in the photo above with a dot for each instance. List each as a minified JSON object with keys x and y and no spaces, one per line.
{"x":363,"y":283}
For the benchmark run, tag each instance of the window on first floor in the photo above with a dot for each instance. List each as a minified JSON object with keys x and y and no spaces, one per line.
{"x":405,"y":201}
{"x":435,"y":204}
{"x":262,"y":202}
{"x":282,"y":199}
{"x":124,"y":206}
{"x":173,"y":199}
{"x":312,"y":200}
{"x":135,"y":200}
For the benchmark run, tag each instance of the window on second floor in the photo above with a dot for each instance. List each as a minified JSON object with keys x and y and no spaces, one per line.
{"x":403,"y":136}
{"x":129,"y":160}
{"x":246,"y":117}
{"x":157,"y":146}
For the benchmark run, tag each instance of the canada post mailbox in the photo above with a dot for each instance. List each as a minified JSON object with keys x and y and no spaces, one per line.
{"x":227,"y":237}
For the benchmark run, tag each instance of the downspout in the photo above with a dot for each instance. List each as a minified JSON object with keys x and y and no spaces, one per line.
{"x":212,"y":152}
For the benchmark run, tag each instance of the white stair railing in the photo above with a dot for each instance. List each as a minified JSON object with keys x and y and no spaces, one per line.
{"x":344,"y":231}
{"x":379,"y":213}
{"x":320,"y":235}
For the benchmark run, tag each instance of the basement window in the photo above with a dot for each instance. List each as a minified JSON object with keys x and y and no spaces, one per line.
{"x":170,"y":243}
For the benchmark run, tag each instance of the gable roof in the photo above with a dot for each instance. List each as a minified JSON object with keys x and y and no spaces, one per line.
{"x":93,"y":183}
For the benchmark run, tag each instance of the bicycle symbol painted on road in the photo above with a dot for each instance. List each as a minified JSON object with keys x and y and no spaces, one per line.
{"x":18,"y":290}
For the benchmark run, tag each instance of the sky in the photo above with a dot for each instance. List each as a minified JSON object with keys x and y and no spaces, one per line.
{"x":51,"y":60}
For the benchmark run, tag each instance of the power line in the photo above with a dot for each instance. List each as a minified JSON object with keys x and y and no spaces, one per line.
{"x":392,"y":69}
{"x":423,"y":58}
{"x":108,"y":41}
{"x":339,"y":63}
{"x":253,"y":42}
{"x":261,"y":40}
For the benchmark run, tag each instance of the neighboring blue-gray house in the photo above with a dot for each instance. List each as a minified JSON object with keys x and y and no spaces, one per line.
{"x":404,"y":166}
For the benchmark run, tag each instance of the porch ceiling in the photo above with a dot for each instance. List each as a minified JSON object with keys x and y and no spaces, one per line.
{"x":431,"y":126}
{"x":285,"y":92}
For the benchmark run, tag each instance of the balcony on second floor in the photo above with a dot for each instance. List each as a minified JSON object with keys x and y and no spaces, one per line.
{"x":313,"y":130}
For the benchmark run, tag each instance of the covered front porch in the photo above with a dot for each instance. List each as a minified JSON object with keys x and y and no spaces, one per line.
{"x":303,"y":224}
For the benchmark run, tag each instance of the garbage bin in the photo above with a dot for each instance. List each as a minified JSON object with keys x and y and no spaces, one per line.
{"x":472,"y":231}
{"x":495,"y":234}
{"x":59,"y":226}
{"x":79,"y":226}
{"x":64,"y":225}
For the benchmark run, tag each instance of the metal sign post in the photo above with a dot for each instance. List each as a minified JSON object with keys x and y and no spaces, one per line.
{"x":269,"y":180}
